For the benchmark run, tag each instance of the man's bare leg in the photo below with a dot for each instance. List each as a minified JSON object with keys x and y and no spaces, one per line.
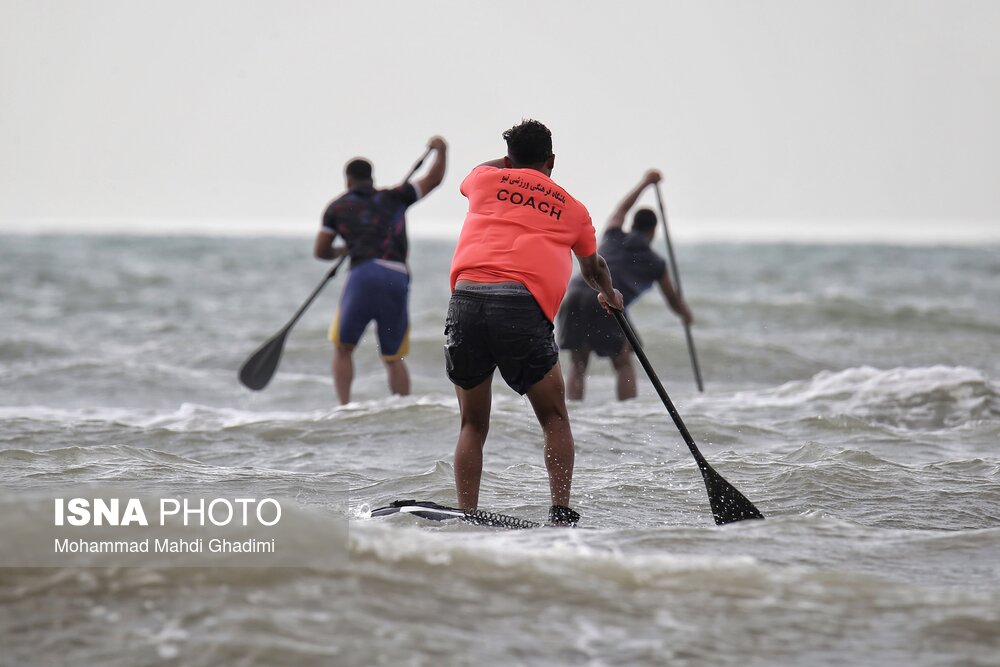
{"x":343,"y":371}
{"x":624,"y":373}
{"x":399,"y":377}
{"x":576,"y":379}
{"x":548,"y":399}
{"x":475,"y":405}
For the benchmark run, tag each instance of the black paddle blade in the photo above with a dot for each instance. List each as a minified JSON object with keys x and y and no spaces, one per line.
{"x":728,"y":504}
{"x":260,"y":366}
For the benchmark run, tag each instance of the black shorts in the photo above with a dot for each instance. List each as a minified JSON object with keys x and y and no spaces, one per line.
{"x":584,"y":325}
{"x":489,"y":330}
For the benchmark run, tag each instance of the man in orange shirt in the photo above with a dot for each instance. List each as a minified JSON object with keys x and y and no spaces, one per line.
{"x":508,"y":276}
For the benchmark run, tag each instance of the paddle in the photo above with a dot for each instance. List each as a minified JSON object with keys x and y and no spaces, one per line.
{"x":728,"y":504}
{"x":260,"y":366}
{"x":675,"y":274}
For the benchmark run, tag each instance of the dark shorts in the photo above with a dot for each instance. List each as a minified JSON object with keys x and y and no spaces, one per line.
{"x":378,"y":291}
{"x":488,"y":330}
{"x":584,"y":326}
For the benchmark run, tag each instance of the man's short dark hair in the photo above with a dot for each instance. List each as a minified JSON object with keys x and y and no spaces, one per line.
{"x":529,"y":143}
{"x":644,"y":220}
{"x":359,"y":170}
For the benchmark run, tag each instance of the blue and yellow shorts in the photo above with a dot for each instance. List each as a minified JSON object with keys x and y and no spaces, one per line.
{"x":376,"y":290}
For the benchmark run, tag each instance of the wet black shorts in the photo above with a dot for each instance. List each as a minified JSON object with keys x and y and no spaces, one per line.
{"x":488,"y":330}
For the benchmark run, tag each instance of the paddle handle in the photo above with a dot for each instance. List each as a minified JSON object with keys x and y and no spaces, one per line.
{"x":417,"y":164}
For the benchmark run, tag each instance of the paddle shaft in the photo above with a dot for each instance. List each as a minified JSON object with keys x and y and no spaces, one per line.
{"x":676,"y":276}
{"x":633,"y":340}
{"x":298,"y":313}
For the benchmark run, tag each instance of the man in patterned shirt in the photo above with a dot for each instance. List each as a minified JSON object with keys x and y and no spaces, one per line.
{"x":373,"y":225}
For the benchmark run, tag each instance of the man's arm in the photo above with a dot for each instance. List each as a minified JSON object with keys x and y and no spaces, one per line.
{"x":674,"y":300}
{"x":595,"y":271}
{"x":435,"y":174}
{"x":323,"y":246}
{"x":617,"y":218}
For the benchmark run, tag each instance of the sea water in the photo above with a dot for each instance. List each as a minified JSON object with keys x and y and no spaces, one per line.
{"x":852,"y":392}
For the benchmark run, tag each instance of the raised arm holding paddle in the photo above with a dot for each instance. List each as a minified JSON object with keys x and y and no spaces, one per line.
{"x":584,"y":328}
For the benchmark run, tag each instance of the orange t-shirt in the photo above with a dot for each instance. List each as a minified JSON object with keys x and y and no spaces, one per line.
{"x":520,"y":228}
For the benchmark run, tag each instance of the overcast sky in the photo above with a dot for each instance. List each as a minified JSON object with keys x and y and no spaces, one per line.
{"x":790,"y":118}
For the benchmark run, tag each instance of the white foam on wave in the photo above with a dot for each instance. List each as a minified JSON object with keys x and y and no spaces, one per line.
{"x":556,"y":553}
{"x":868,"y":381}
{"x":186,"y":417}
{"x":393,"y":402}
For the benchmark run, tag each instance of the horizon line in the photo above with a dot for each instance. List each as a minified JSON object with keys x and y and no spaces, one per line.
{"x":712,"y":230}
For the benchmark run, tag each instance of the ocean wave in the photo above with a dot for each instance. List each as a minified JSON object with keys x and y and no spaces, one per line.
{"x":624,"y":561}
{"x":916,"y":398}
{"x":76,"y":455}
{"x":201,"y":417}
{"x":875,"y":491}
{"x":847,"y":311}
{"x":544,"y":554}
{"x":186,"y":417}
{"x":19,"y":349}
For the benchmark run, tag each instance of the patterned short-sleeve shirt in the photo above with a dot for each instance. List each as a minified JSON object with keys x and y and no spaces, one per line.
{"x":372,"y":222}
